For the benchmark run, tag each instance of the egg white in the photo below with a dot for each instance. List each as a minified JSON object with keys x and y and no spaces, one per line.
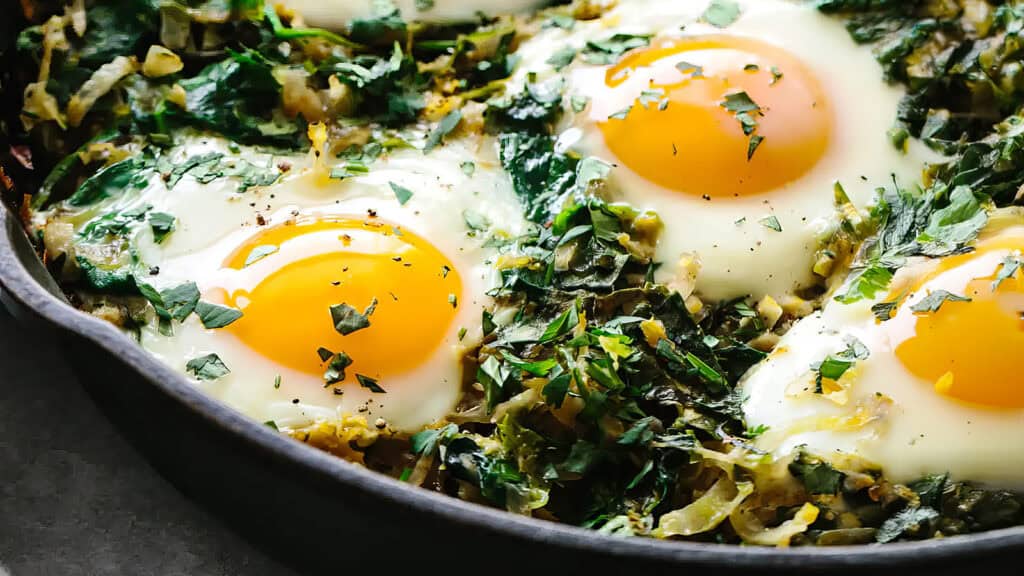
{"x":214,"y":219}
{"x":888,"y":415}
{"x":738,"y":254}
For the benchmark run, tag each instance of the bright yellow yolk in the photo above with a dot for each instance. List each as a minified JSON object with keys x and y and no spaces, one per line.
{"x":286,"y":296}
{"x":969,"y":351}
{"x":678,"y":134}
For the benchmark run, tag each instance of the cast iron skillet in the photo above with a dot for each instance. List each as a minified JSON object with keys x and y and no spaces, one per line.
{"x":319,"y":512}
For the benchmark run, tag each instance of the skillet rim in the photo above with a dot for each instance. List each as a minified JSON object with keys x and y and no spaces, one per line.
{"x":17,"y":283}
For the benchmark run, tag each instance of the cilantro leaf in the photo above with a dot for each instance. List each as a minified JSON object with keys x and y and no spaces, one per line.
{"x":491,"y":374}
{"x":425,"y":443}
{"x":640,"y":433}
{"x":722,"y":13}
{"x":162,"y":224}
{"x":911,"y":522}
{"x":865,"y":283}
{"x":336,"y":362}
{"x":556,"y":389}
{"x":883,"y":311}
{"x":566,"y":322}
{"x":933,"y":301}
{"x":607,"y":50}
{"x":370,"y":384}
{"x":1008,"y":268}
{"x":347,"y":319}
{"x":402,"y":193}
{"x":771,"y":222}
{"x":216,"y":316}
{"x":258,"y":253}
{"x":180,"y":301}
{"x":952,"y":227}
{"x":444,"y":127}
{"x":208,"y":367}
{"x":818,"y":476}
{"x":563,"y":57}
{"x":834,"y":366}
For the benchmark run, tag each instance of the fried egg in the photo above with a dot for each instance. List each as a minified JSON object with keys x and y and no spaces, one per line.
{"x":338,"y":13}
{"x":748,"y":197}
{"x":940,"y":389}
{"x":285,"y":254}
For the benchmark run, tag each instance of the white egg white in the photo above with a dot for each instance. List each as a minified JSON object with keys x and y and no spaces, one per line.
{"x":738,"y":254}
{"x":214,"y":219}
{"x":885,"y":413}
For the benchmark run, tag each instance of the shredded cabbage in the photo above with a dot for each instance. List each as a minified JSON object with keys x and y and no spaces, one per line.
{"x":101,"y":82}
{"x":753,"y":531}
{"x":706,"y":512}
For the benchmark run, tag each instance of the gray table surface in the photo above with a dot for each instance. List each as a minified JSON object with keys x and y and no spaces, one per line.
{"x":75,"y":498}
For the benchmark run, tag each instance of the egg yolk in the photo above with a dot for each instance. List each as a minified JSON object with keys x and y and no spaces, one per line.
{"x":286,"y":278}
{"x":663,"y":112}
{"x":969,"y":351}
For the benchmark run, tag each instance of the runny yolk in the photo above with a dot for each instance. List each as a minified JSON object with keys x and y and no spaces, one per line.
{"x":296,"y":272}
{"x":969,"y":351}
{"x":661,"y":112}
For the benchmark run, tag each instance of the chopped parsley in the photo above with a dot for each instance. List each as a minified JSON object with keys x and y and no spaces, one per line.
{"x":722,"y":13}
{"x":746,"y":112}
{"x":215,"y":315}
{"x":934,"y":301}
{"x":258,"y":253}
{"x":336,"y":363}
{"x":347,"y":319}
{"x":402,"y":193}
{"x":208,"y":367}
{"x":771,"y":222}
{"x":370,"y":384}
{"x":834,"y":366}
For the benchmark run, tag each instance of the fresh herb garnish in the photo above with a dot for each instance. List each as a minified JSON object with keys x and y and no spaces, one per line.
{"x":934,"y":301}
{"x":215,"y":315}
{"x":347,"y":319}
{"x":370,"y":384}
{"x":208,"y":367}
{"x":722,"y":13}
{"x":402,"y":193}
{"x":834,"y":366}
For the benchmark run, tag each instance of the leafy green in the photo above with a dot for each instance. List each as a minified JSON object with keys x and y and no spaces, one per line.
{"x":934,"y":300}
{"x":208,"y":367}
{"x":721,"y":13}
{"x":443,"y":128}
{"x":370,"y":384}
{"x":236,"y":97}
{"x":608,"y":50}
{"x":818,"y":476}
{"x":162,"y":224}
{"x":425,"y":443}
{"x":117,"y":280}
{"x":383,"y":26}
{"x":834,"y":366}
{"x":910,"y":522}
{"x":771,"y":223}
{"x":215,"y":315}
{"x":347,"y":319}
{"x":112,"y":180}
{"x":402,"y":194}
{"x":336,"y":363}
{"x":1008,"y":268}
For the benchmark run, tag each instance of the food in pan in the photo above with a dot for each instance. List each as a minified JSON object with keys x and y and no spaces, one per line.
{"x":728,"y":271}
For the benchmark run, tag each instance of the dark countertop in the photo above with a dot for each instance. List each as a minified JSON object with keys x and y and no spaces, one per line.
{"x":75,"y":498}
